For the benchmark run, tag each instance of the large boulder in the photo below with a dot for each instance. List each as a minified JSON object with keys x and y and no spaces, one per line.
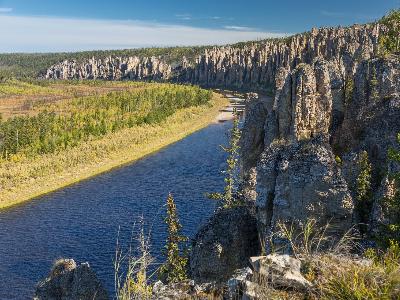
{"x":224,"y":245}
{"x":69,"y":281}
{"x":186,"y":289}
{"x":279,"y":271}
{"x":267,"y":276}
{"x":299,"y":182}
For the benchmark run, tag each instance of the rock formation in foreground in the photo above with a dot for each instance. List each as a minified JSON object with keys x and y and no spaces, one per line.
{"x":69,"y":281}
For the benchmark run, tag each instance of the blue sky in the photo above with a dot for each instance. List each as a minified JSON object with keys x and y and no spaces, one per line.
{"x":44,"y":25}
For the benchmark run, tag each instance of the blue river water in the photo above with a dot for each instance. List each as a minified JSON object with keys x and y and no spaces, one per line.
{"x":82,"y":221}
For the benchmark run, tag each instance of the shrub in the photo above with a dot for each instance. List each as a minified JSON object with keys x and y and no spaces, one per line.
{"x":348,"y":89}
{"x":391,"y":231}
{"x":336,"y":274}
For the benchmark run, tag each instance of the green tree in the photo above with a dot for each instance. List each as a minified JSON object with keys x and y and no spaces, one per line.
{"x":228,"y":198}
{"x":91,"y":117}
{"x":374,"y":85}
{"x":364,"y":202}
{"x":392,"y":230}
{"x":389,"y":41}
{"x":348,"y":89}
{"x":174,"y":268}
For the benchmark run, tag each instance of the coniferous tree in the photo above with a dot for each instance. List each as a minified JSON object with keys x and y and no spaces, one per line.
{"x":391,"y":232}
{"x":174,"y":268}
{"x":228,"y":198}
{"x":363,"y":204}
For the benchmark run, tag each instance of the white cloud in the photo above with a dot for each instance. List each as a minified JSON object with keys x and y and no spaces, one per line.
{"x":239,"y":28}
{"x":49,"y":34}
{"x":5,"y":9}
{"x":185,"y":17}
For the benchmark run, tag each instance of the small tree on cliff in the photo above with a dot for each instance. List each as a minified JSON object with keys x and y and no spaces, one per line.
{"x":228,"y":198}
{"x":391,"y":232}
{"x":174,"y":269}
{"x":389,"y":41}
{"x":363,"y":185}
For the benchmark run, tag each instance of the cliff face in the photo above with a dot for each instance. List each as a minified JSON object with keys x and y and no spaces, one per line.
{"x":310,"y":140}
{"x":111,"y":68}
{"x":333,"y":98}
{"x":249,"y":67}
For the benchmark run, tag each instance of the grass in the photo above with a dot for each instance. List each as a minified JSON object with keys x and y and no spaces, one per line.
{"x":132,"y":276}
{"x":336,"y":272}
{"x":29,"y":178}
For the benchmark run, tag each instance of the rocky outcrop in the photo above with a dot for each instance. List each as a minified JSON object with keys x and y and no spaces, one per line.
{"x":372,"y":112}
{"x":112,"y":68}
{"x":322,"y":117}
{"x":69,"y":281}
{"x":281,"y":271}
{"x":253,"y":66}
{"x":298,"y":182}
{"x":224,"y":245}
{"x":304,"y":105}
{"x":266,"y":276}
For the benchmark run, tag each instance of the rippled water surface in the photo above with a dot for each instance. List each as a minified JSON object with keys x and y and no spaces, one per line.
{"x":82,"y":221}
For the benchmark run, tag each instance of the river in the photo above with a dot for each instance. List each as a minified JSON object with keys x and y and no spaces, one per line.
{"x":82,"y":221}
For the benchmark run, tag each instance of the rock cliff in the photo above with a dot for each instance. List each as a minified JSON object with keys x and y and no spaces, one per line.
{"x":112,"y":68}
{"x":324,"y":96}
{"x":253,"y":66}
{"x":307,"y":142}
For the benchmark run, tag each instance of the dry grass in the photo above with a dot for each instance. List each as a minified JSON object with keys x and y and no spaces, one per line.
{"x":28,"y":178}
{"x":20,"y":98}
{"x":131,"y":268}
{"x":336,"y":273}
{"x":312,"y":239}
{"x":343,"y":278}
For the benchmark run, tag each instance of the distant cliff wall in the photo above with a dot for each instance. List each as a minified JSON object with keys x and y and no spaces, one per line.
{"x":253,"y":66}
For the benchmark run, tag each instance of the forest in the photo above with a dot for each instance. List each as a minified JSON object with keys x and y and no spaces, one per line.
{"x":65,"y":124}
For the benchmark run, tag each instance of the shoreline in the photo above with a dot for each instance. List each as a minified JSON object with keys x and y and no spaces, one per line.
{"x":175,"y":128}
